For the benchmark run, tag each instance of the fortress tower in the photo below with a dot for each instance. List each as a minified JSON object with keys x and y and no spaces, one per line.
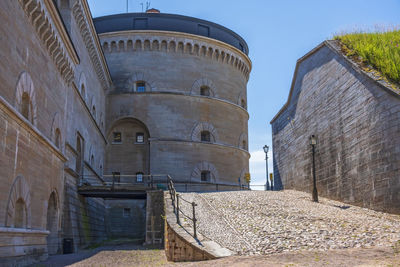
{"x":179,"y":102}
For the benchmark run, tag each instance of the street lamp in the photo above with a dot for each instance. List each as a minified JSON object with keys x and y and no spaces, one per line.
{"x":313,"y":143}
{"x":266,"y":148}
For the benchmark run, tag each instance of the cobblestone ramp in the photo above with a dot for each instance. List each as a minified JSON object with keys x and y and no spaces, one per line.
{"x":259,"y":222}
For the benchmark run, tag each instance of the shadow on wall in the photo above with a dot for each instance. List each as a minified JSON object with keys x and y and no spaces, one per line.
{"x":277,"y":176}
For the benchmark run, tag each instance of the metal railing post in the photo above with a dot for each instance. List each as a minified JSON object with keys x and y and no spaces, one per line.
{"x":177,"y":209}
{"x":151,"y":181}
{"x":194,"y":220}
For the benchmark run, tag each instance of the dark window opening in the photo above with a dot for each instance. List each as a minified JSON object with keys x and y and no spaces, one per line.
{"x":205,"y":90}
{"x":116,"y":177}
{"x":26,"y":106}
{"x":205,"y":176}
{"x":126,"y":212}
{"x":244,"y":144}
{"x":139,"y":177}
{"x":140,"y":87}
{"x":58,"y":138}
{"x":139,"y":137}
{"x":117,"y":137}
{"x":243,"y":103}
{"x":205,"y":136}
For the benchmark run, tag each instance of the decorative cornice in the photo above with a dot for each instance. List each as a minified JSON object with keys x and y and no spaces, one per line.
{"x":176,"y":42}
{"x":84,"y":20}
{"x":52,"y":34}
{"x":61,"y":30}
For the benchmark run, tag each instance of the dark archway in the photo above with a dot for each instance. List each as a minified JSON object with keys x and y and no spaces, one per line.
{"x":52,"y":225}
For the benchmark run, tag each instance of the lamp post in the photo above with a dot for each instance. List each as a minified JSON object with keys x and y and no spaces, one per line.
{"x":266,"y":148}
{"x":313,"y":142}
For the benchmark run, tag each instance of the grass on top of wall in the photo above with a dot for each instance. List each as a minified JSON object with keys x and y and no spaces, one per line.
{"x":380,"y":50}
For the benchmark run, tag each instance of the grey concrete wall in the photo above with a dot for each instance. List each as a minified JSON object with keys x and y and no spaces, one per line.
{"x":356,"y":122}
{"x":132,"y":225}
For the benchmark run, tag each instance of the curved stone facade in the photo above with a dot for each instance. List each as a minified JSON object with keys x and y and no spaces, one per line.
{"x":190,"y":92}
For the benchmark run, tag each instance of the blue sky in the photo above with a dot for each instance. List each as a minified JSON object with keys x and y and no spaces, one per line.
{"x":278,"y":33}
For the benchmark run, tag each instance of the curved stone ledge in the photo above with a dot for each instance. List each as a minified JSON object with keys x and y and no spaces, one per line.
{"x":175,"y":42}
{"x":180,"y":245}
{"x":188,"y":95}
{"x":199,"y":142}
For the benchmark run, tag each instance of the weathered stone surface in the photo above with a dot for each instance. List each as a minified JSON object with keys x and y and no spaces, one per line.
{"x":355,"y":120}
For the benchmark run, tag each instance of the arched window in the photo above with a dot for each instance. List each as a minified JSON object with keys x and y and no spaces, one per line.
{"x":205,"y":91}
{"x":205,"y":176}
{"x":57,"y":140}
{"x":94,"y":111}
{"x":78,"y":167}
{"x":20,"y":214}
{"x":83,"y":92}
{"x":139,"y":177}
{"x":244,"y":144}
{"x":140,"y":86}
{"x":26,"y":106}
{"x":205,"y":136}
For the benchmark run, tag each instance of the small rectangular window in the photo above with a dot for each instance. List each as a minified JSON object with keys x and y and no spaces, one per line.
{"x":205,"y":176}
{"x":140,"y":87}
{"x":139,"y":138}
{"x":127,"y":212}
{"x":139,"y":177}
{"x":117,"y":138}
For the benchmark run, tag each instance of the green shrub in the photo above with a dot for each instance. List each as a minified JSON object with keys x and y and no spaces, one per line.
{"x":380,"y":50}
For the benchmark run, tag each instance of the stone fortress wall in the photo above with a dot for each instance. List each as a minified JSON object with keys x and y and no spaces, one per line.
{"x":175,"y":66}
{"x":59,"y":107}
{"x":53,"y":81}
{"x":355,"y":119}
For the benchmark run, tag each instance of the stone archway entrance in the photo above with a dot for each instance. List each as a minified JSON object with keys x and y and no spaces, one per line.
{"x":52,"y":225}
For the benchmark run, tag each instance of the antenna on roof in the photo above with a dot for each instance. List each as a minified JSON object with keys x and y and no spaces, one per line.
{"x":127,"y":6}
{"x":147,"y":5}
{"x":142,"y":6}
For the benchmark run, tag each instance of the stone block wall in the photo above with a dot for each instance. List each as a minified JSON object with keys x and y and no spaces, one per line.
{"x":155,"y":218}
{"x":356,"y":122}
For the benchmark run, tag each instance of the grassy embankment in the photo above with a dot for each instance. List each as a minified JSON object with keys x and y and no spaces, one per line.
{"x":377,"y":50}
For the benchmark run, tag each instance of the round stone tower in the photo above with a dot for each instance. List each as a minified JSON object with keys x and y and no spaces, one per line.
{"x":179,"y":102}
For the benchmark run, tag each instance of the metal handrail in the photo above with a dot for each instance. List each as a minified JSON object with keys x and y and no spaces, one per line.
{"x":175,"y":196}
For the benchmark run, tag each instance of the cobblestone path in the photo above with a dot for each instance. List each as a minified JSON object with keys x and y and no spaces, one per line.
{"x":262,"y":223}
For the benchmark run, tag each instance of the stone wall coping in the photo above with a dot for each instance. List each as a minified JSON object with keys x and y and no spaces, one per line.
{"x":209,"y":248}
{"x":186,"y":95}
{"x":9,"y":230}
{"x":241,"y":55}
{"x":334,"y":47}
{"x":24,"y":123}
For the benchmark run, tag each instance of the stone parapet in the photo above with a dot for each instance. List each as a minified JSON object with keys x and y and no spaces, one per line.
{"x":180,"y":244}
